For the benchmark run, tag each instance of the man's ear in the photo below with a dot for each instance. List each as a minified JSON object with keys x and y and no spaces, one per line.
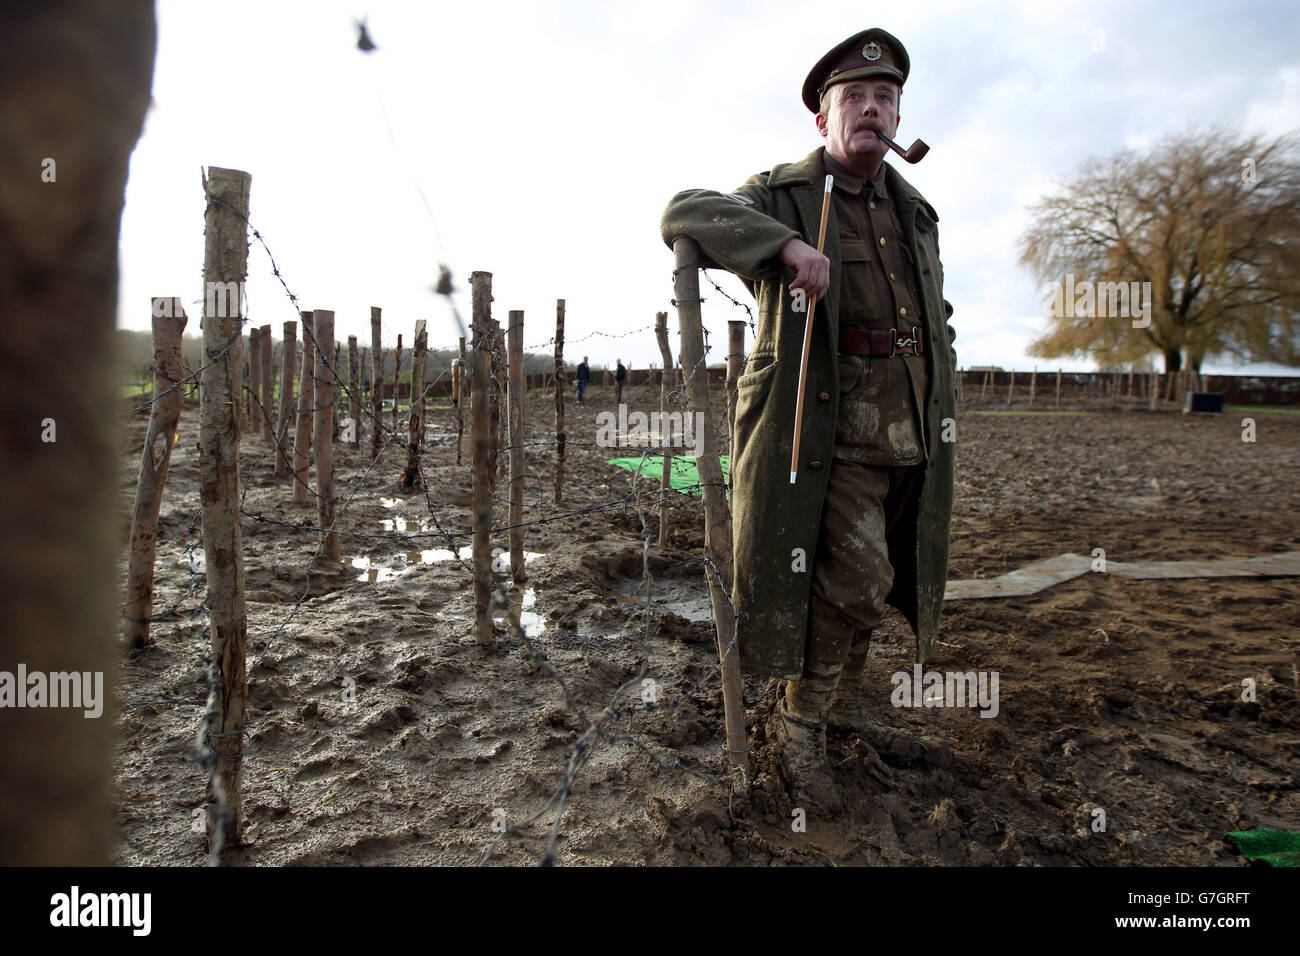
{"x":821,"y":123}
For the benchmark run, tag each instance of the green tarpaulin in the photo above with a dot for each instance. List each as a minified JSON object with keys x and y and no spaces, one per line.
{"x":684,"y":477}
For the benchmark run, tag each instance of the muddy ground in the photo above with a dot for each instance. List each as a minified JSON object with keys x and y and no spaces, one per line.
{"x":381,"y":733}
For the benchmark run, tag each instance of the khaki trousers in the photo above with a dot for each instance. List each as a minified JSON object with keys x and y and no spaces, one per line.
{"x":851,"y":578}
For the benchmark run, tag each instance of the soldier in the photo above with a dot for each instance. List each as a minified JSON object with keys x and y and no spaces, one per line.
{"x":866,"y":524}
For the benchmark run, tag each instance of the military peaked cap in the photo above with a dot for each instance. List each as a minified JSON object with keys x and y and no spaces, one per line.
{"x":869,"y":53}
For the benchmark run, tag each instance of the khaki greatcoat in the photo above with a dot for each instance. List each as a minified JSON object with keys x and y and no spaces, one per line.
{"x":774,"y":523}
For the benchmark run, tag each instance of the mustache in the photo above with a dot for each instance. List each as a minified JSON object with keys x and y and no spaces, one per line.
{"x":871,"y":126}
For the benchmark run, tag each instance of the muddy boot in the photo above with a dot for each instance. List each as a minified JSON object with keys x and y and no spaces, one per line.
{"x":850,"y":711}
{"x":802,"y":755}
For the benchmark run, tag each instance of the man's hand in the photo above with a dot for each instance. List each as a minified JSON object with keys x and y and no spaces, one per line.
{"x":812,"y":270}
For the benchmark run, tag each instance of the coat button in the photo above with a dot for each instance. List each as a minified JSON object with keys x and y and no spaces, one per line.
{"x":902,"y":313}
{"x":823,"y":396}
{"x":882,"y":240}
{"x":814,"y":465}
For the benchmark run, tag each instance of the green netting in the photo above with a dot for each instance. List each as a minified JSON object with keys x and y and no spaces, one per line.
{"x":1274,"y":847}
{"x":684,"y":476}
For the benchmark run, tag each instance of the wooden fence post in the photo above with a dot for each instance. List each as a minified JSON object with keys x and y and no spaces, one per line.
{"x":988,"y":377}
{"x":1011,"y":387}
{"x":458,"y":391}
{"x":410,"y":477}
{"x":254,"y":393}
{"x":515,"y":366}
{"x":1058,"y":388}
{"x":267,"y":384}
{"x":480,"y":426}
{"x":225,"y":259}
{"x":307,"y":399}
{"x":243,"y":349}
{"x":164,"y":416}
{"x":288,"y":362}
{"x":376,"y":379}
{"x":397,"y":376}
{"x":327,"y":379}
{"x":665,"y":385}
{"x":354,"y":392}
{"x":735,"y":360}
{"x":498,"y":377}
{"x":717,"y":521}
{"x":1033,"y":385}
{"x":561,"y":437}
{"x":336,"y":387}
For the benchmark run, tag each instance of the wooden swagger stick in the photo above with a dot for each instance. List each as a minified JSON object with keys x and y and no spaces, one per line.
{"x":807,"y":338}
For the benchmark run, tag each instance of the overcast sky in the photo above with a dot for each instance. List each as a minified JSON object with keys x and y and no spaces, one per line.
{"x":549,"y":136}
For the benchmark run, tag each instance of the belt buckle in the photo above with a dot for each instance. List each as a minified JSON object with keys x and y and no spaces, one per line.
{"x":893,"y":342}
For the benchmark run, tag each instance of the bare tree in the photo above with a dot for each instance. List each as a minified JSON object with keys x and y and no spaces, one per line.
{"x":1210,"y":219}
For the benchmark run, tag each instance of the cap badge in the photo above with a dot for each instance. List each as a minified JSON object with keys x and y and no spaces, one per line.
{"x":871,"y":51}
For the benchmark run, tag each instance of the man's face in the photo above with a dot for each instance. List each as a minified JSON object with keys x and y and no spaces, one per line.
{"x":855,"y":109}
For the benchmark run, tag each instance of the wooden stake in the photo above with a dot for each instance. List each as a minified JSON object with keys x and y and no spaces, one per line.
{"x":665,"y":384}
{"x":354,"y":392}
{"x":267,"y":385}
{"x":397,"y":377}
{"x":560,"y":385}
{"x":306,"y":411}
{"x":254,"y":393}
{"x":807,"y":339}
{"x":336,"y":388}
{"x":988,"y":377}
{"x":411,"y":476}
{"x":735,"y":362}
{"x":1011,"y":387}
{"x":717,"y":521}
{"x":480,"y":428}
{"x":327,"y":380}
{"x":376,"y":380}
{"x":288,"y":411}
{"x":164,"y":417}
{"x":515,"y":359}
{"x":1058,"y":388}
{"x":498,"y":378}
{"x":1033,"y":385}
{"x":459,"y":390}
{"x":225,"y":259}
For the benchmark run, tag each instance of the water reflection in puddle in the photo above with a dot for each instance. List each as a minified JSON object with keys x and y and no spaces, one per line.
{"x":412,"y":559}
{"x":531,"y":621}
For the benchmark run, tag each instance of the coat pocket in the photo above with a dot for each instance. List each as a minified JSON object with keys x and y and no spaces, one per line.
{"x":752,"y":392}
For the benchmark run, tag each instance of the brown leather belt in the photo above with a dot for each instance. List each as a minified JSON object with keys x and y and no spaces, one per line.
{"x":880,"y":343}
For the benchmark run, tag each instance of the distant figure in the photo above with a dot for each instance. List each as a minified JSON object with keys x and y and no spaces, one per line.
{"x":620,"y":376}
{"x":583,"y":376}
